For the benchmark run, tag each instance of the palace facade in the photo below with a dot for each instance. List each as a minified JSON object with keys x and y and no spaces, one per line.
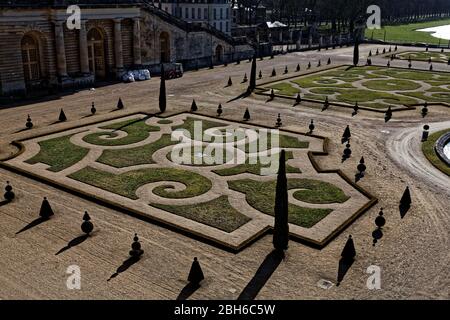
{"x":41,"y":50}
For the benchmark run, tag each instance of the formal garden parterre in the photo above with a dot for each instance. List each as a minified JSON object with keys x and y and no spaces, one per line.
{"x":129,"y":162}
{"x":372,"y":87}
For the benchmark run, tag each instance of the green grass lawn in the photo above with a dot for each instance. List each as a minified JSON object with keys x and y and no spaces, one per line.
{"x":126,"y":184}
{"x":254,"y":168}
{"x":121,"y":158}
{"x":217,"y":213}
{"x":406,"y":33}
{"x":136,"y":130}
{"x":425,"y":56}
{"x":380,"y":87}
{"x":261,"y":196}
{"x":203,"y":157}
{"x":58,"y":153}
{"x":190,"y":123}
{"x":430,"y":153}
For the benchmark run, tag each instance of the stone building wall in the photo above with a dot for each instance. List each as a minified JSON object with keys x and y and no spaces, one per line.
{"x":63,"y":53}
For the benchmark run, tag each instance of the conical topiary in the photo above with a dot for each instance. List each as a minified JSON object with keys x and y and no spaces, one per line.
{"x":309,"y":65}
{"x":370,"y":53}
{"x":346,"y":135}
{"x":245,"y":78}
{"x":219,"y":110}
{"x":348,"y":253}
{"x":230,"y":83}
{"x":46,"y":210}
{"x":319,"y":63}
{"x":329,"y":61}
{"x":388,"y":64}
{"x":87,"y":225}
{"x":355,"y":108}
{"x":431,"y":67}
{"x":298,"y":99}
{"x":405,"y":201}
{"x":281,"y":225}
{"x":120,"y":104}
{"x":162,"y":91}
{"x":62,"y":116}
{"x":272,"y":94}
{"x":195,"y":274}
{"x":29,"y":123}
{"x":356,"y":52}
{"x":93,"y":109}
{"x":326,"y":104}
{"x":388,"y":114}
{"x":286,"y":70}
{"x":260,"y":74}
{"x":9,"y":194}
{"x":193,"y":106}
{"x":274,"y":72}
{"x":246,"y":115}
{"x":298,"y":68}
{"x":252,"y":84}
{"x":136,"y":250}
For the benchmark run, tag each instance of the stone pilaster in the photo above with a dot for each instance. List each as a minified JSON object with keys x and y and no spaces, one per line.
{"x":137,"y":41}
{"x":84,"y":59}
{"x":118,"y":52}
{"x":60,"y":49}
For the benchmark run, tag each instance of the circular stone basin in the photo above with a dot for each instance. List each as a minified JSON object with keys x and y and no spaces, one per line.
{"x":391,"y":85}
{"x":442,"y":148}
{"x":447,"y":150}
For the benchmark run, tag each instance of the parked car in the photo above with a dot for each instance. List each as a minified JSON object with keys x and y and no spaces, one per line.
{"x":173,"y":70}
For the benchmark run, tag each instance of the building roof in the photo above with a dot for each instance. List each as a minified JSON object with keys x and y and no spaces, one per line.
{"x":64,"y":3}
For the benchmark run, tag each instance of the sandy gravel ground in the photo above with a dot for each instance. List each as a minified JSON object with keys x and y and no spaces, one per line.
{"x":413,"y":254}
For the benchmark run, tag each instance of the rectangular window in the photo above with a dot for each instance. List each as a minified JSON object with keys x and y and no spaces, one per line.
{"x":228,"y":13}
{"x":186,"y":13}
{"x":221,"y":13}
{"x":215,"y":14}
{"x":199,"y":13}
{"x":193,"y":13}
{"x":227,"y":26}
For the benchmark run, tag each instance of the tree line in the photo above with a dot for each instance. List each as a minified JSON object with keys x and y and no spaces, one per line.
{"x":342,"y":14}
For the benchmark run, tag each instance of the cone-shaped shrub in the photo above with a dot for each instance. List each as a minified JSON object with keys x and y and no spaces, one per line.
{"x":46,"y":210}
{"x":195,"y":274}
{"x":349,"y":252}
{"x":62,"y":116}
{"x":162,"y":91}
{"x":281,"y":227}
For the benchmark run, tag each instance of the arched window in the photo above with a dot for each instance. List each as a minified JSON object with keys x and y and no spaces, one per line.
{"x":30,"y":58}
{"x":96,"y":53}
{"x":219,"y":53}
